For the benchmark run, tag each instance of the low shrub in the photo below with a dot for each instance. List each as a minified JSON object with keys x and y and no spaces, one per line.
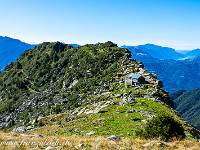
{"x":163,"y":126}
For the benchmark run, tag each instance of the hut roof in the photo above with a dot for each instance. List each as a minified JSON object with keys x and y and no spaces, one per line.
{"x":134,"y":76}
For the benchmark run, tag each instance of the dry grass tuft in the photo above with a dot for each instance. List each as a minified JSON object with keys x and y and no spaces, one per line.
{"x":14,"y":141}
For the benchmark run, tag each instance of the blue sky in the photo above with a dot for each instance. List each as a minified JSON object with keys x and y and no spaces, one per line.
{"x":171,"y":23}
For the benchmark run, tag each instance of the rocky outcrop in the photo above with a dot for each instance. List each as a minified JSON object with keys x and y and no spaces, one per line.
{"x":113,"y":138}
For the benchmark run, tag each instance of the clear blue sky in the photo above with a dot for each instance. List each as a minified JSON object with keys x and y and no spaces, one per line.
{"x":173,"y":23}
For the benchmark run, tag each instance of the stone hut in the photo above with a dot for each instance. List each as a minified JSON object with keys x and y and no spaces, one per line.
{"x":134,"y":79}
{"x":132,"y":60}
{"x":159,"y":83}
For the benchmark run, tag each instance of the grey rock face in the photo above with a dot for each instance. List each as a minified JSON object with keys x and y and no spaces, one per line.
{"x":38,"y":135}
{"x":125,"y":99}
{"x":8,"y":119}
{"x":114,"y":103}
{"x":50,"y":147}
{"x":3,"y":125}
{"x":117,"y":95}
{"x":19,"y":129}
{"x":113,"y":138}
{"x":90,"y":133}
{"x":121,"y":103}
{"x":147,"y":144}
{"x":130,"y":111}
{"x":147,"y":115}
{"x":73,"y":83}
{"x":80,"y":145}
{"x":141,"y":104}
{"x":131,"y":100}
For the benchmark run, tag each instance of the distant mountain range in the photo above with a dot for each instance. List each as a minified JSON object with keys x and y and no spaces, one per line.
{"x":160,"y":60}
{"x":187,"y":103}
{"x":75,"y":45}
{"x":11,"y":49}
{"x":161,"y":52}
{"x":183,"y":51}
{"x":193,"y":53}
{"x":158,"y":51}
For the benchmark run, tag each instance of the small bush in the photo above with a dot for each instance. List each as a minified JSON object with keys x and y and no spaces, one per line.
{"x":41,"y":123}
{"x":163,"y":126}
{"x":57,"y":109}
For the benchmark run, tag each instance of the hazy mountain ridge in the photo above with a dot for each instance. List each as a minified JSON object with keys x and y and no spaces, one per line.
{"x":193,"y":53}
{"x":140,"y":54}
{"x":164,"y":52}
{"x":183,"y":51}
{"x":158,"y":52}
{"x":11,"y":49}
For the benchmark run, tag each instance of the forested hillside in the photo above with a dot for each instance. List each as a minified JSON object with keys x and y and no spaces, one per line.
{"x":53,"y":77}
{"x":187,"y":103}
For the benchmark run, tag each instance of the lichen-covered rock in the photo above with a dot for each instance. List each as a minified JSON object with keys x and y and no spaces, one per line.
{"x":50,"y":148}
{"x":113,"y":138}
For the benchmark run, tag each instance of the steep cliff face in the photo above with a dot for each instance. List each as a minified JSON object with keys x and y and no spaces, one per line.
{"x":92,"y":89}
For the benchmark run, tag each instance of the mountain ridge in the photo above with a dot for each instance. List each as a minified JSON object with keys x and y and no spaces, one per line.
{"x":193,"y":53}
{"x":61,"y":90}
{"x":159,"y":52}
